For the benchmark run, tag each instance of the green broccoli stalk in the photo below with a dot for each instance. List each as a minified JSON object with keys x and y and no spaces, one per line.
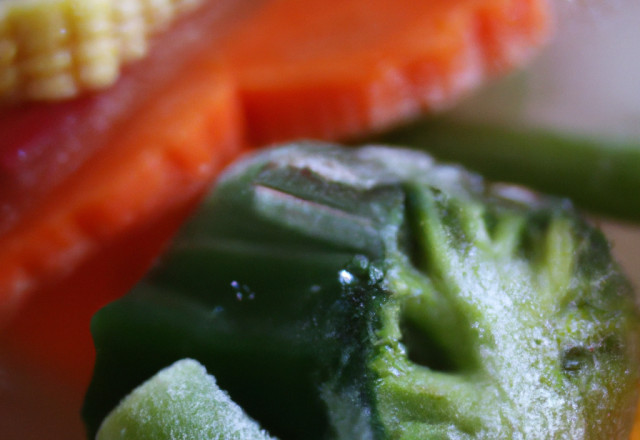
{"x":374,"y":294}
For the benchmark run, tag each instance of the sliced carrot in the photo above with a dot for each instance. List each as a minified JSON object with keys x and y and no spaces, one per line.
{"x":41,"y":145}
{"x":93,"y":225}
{"x":136,"y":159}
{"x":51,"y":331}
{"x":148,"y":168}
{"x":113,"y":217}
{"x":341,"y":68}
{"x":635,"y":432}
{"x":75,"y":176}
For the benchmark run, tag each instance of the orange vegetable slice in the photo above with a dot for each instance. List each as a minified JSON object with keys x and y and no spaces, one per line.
{"x":635,"y":432}
{"x":100,"y":230}
{"x":147,"y":169}
{"x":89,"y":170}
{"x":341,"y":68}
{"x":51,"y":332}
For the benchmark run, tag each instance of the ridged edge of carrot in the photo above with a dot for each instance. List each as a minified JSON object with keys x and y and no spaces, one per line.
{"x":54,"y":322}
{"x":150,"y":170}
{"x":489,"y":38}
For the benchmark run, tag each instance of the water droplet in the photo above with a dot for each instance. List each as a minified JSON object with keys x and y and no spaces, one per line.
{"x":345,"y":277}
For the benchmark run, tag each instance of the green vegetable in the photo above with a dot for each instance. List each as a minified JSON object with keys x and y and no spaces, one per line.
{"x":373,"y":293}
{"x":180,"y":402}
{"x":600,"y":175}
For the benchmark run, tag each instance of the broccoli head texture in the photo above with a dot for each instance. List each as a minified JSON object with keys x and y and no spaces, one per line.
{"x":374,"y":293}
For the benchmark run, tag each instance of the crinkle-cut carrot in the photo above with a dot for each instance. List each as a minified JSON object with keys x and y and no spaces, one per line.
{"x":41,"y":145}
{"x":74,"y":175}
{"x":51,"y":332}
{"x":339,"y":68}
{"x":162,"y":157}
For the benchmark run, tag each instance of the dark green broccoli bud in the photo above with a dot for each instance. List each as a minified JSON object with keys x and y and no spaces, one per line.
{"x":372,"y":293}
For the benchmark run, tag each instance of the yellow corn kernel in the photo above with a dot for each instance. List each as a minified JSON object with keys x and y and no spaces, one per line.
{"x":96,"y":51}
{"x":130,"y":28}
{"x":55,"y":49}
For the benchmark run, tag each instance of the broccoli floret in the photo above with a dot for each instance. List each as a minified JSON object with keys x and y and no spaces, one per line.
{"x":375,"y":294}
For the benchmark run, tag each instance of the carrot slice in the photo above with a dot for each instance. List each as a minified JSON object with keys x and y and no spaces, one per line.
{"x":74,"y":176}
{"x":113,"y":217}
{"x":635,"y":431}
{"x":341,"y":68}
{"x":41,"y":145}
{"x":147,"y":169}
{"x":137,"y":158}
{"x":51,"y":332}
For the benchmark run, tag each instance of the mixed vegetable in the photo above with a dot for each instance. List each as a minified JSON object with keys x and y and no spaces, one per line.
{"x":83,"y":180}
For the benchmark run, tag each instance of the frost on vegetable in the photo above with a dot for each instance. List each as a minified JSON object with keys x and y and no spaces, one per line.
{"x":180,"y":402}
{"x":373,"y":293}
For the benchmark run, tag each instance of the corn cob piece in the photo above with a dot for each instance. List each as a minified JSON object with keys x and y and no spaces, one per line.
{"x":56,"y":49}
